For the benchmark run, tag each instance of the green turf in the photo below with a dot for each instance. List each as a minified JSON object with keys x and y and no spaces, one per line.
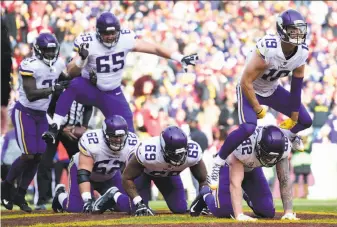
{"x":299,"y":205}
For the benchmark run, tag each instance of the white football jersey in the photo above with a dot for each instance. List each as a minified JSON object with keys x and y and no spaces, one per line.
{"x":106,"y":164}
{"x":269,"y":48}
{"x":246,"y":152}
{"x":149,"y":154}
{"x":107,"y":63}
{"x":44,"y":76}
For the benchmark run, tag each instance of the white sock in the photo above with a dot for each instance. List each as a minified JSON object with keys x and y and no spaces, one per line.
{"x":58,"y":119}
{"x":62,"y":197}
{"x":116,"y":196}
{"x":219,"y":161}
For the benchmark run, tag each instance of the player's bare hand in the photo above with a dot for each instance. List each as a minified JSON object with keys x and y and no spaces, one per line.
{"x":244,"y":218}
{"x":290,"y":216}
{"x":189,"y":60}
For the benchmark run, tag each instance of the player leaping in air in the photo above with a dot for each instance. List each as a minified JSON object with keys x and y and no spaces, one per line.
{"x":100,"y":61}
{"x":274,"y":57}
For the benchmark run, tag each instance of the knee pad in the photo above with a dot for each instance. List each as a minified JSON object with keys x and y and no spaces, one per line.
{"x":248,"y":128}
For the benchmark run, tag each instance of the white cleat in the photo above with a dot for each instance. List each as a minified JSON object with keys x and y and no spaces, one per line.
{"x":297,"y":143}
{"x":213,"y":176}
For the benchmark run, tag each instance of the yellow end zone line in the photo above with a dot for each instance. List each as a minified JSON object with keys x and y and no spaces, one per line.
{"x":14,"y":216}
{"x":152,"y":221}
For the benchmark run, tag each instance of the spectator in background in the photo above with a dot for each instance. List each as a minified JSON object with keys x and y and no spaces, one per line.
{"x":328,"y":133}
{"x":17,"y":24}
{"x":321,"y":109}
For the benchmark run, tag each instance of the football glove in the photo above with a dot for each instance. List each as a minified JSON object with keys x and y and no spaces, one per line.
{"x":59,"y":86}
{"x":83,"y":51}
{"x":93,"y":77}
{"x":88,"y":205}
{"x":288,"y":124}
{"x":290,"y":216}
{"x":143,"y":210}
{"x":261,"y":113}
{"x":244,"y":218}
{"x":189,"y":60}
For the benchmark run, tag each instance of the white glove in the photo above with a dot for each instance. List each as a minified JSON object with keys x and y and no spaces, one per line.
{"x":290,"y":216}
{"x":244,"y":218}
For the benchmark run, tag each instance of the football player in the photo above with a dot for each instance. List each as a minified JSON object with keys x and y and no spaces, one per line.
{"x":97,"y":166}
{"x":161,"y":159}
{"x":100,"y":61}
{"x":268,"y":146}
{"x":39,"y":75}
{"x":274,"y":57}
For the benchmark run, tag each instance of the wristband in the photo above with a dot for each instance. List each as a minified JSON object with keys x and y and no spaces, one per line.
{"x":137,"y":199}
{"x":176,"y":56}
{"x":86,"y":196}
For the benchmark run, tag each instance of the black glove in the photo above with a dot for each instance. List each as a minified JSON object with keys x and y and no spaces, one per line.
{"x":189,"y":60}
{"x":59,"y":86}
{"x":88,"y":205}
{"x":83,"y":51}
{"x":93,"y":77}
{"x":143,"y":210}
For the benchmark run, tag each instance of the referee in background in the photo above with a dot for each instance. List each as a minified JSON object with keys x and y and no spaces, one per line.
{"x":74,"y":125}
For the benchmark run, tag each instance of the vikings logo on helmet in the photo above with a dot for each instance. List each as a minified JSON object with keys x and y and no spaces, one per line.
{"x":291,"y":27}
{"x":46,"y":48}
{"x":108,"y":29}
{"x":115,"y":130}
{"x":173,"y":142}
{"x":271,"y":146}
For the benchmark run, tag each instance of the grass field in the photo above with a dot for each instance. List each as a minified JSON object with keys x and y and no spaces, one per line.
{"x":311,"y":212}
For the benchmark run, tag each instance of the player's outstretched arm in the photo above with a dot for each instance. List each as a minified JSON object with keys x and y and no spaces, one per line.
{"x":132,"y":170}
{"x":283,"y":175}
{"x":236,"y":174}
{"x":199,"y":171}
{"x":153,"y":48}
{"x":251,"y":72}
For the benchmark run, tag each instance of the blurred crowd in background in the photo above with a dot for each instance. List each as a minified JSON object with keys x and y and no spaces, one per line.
{"x":222,"y":33}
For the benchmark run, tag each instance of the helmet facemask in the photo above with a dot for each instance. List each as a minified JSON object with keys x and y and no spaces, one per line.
{"x":48,"y":54}
{"x":108,"y":38}
{"x":296,"y":34}
{"x":115,"y":139}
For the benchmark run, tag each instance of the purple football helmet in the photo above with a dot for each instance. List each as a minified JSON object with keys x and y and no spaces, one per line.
{"x":46,"y":48}
{"x":291,"y":27}
{"x":173,"y":142}
{"x":115,"y":130}
{"x":108,"y":29}
{"x":271,"y":146}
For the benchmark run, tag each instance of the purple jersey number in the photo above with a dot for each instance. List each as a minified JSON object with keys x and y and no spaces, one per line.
{"x":150,"y":152}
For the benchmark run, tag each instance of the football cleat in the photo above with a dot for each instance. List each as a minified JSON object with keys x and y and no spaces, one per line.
{"x":297,"y":143}
{"x":20,"y":201}
{"x":106,"y":201}
{"x":56,"y":205}
{"x":213,"y":176}
{"x":6,"y":197}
